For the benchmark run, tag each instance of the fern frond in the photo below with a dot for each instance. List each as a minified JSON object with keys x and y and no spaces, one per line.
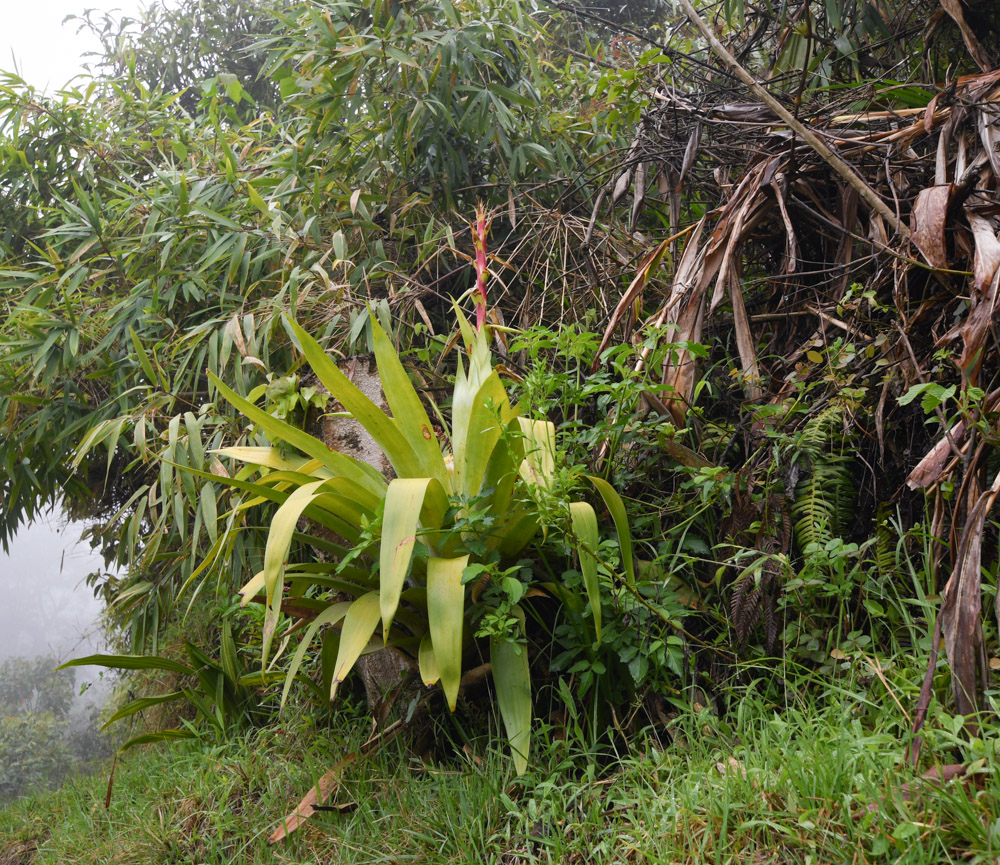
{"x":824,"y":497}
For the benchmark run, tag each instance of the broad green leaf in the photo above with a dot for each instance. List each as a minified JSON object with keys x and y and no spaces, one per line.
{"x":407,"y":409}
{"x":273,"y":458}
{"x":488,"y":414}
{"x":585,"y":528}
{"x":228,"y":656}
{"x":208,"y":511}
{"x":330,"y":616}
{"x":279,"y":540}
{"x":445,"y":616}
{"x":502,"y":470}
{"x":359,"y":626}
{"x":539,"y":463}
{"x":129,"y":662}
{"x":616,"y":507}
{"x":518,"y":530}
{"x":429,"y":672}
{"x":379,"y":425}
{"x":341,"y":464}
{"x":512,"y":679}
{"x":257,"y":201}
{"x":403,"y":503}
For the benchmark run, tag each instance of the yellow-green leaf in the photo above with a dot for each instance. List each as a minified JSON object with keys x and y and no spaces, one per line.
{"x":406,"y":407}
{"x":379,"y":425}
{"x":585,"y":529}
{"x":512,"y":679}
{"x":616,"y":507}
{"x":257,"y":200}
{"x":428,"y":662}
{"x":279,"y":539}
{"x":403,"y":502}
{"x":474,"y":445}
{"x":445,"y":615}
{"x":277,"y":430}
{"x":539,"y":463}
{"x":359,"y":626}
{"x":330,"y":616}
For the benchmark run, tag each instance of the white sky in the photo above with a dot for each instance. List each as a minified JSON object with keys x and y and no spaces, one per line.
{"x":47,"y":54}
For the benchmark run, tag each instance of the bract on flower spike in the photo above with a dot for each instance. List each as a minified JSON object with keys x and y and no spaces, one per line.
{"x":479,"y":230}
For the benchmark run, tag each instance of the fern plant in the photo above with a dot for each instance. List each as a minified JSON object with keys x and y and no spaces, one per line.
{"x":823,"y":502}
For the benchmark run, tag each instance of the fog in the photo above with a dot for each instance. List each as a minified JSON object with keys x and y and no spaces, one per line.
{"x":46,"y":607}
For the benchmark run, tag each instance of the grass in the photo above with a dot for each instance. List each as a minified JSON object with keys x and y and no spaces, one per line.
{"x":809,"y":780}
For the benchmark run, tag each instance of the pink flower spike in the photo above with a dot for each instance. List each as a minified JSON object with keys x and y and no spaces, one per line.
{"x":479,"y":230}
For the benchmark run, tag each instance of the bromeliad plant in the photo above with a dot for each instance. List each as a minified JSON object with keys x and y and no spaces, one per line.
{"x":433,"y":534}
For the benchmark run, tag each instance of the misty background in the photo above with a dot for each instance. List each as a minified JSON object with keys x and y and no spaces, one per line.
{"x":47,"y":608}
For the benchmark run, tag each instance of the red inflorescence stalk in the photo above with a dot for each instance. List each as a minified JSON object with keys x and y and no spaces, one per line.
{"x":479,"y":230}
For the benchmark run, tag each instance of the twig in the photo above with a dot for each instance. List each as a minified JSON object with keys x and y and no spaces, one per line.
{"x":806,"y":134}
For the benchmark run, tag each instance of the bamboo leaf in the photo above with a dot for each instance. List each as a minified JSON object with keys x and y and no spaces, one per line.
{"x":129,"y":662}
{"x":139,"y":705}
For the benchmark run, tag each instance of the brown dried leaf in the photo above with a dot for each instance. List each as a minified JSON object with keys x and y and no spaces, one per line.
{"x":639,"y":196}
{"x":621,"y":186}
{"x":234,"y":331}
{"x":316,"y":796}
{"x":941,"y":159}
{"x":988,"y":122}
{"x":686,"y":309}
{"x":929,"y":114}
{"x":927,"y":223}
{"x":928,"y":471}
{"x":961,"y":602}
{"x":732,"y":766}
{"x":876,"y":231}
{"x":647,"y":267}
{"x":976,"y":326}
{"x":987,"y":258}
{"x":954,"y":9}
{"x":690,"y":154}
{"x":777,"y":182}
{"x":745,"y":341}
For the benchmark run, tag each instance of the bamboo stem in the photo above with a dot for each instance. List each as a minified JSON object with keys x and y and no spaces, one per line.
{"x":807,"y":135}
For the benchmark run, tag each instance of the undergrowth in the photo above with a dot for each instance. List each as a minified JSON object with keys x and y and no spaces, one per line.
{"x":766,"y":778}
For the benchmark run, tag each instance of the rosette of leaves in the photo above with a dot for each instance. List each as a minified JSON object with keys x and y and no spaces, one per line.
{"x":440,"y":519}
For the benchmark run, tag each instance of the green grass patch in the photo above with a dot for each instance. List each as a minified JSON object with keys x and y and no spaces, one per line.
{"x":815,"y":782}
